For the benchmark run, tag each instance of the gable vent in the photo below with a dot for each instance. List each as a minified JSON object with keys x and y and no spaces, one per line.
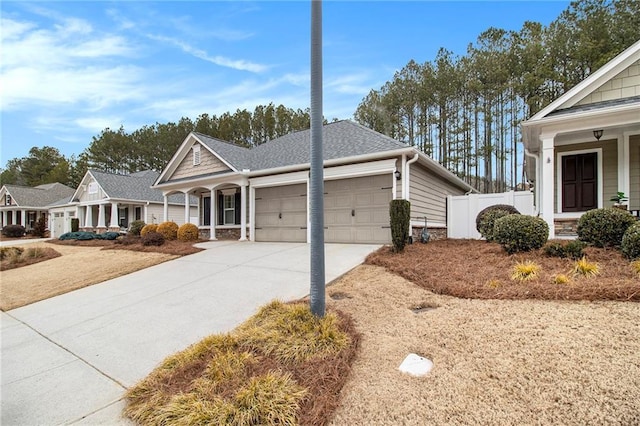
{"x":196,"y":155}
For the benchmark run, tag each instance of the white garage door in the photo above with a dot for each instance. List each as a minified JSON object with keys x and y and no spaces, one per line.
{"x":58,"y":224}
{"x":357,"y":209}
{"x":281,"y":213}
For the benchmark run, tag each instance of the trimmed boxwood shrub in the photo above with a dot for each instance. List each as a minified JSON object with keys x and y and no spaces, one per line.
{"x":488,"y":221}
{"x":136,"y":226}
{"x":631,"y":242}
{"x":604,"y":227}
{"x":150,"y":227}
{"x":188,"y":232}
{"x":169,"y":230}
{"x":400,"y":217}
{"x":506,"y":207}
{"x":152,"y":239}
{"x":572,"y":249}
{"x":517,"y":232}
{"x":13,"y":231}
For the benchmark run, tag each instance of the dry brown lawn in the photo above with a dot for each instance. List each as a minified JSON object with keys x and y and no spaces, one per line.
{"x":79,"y":266}
{"x":496,"y":362}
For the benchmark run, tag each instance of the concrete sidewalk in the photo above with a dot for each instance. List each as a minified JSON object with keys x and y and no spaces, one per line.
{"x":69,"y":359}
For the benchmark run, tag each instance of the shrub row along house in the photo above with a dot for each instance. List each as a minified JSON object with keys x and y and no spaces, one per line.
{"x":261,"y":194}
{"x":584,"y":148}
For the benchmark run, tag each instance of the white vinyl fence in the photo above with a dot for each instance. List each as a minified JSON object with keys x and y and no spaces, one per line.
{"x":463,"y":209}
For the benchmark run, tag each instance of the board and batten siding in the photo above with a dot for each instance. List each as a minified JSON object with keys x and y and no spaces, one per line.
{"x":209,"y":163}
{"x":634,"y":172}
{"x":624,"y":85}
{"x":428,"y":193}
{"x":609,"y":167}
{"x":98,"y":196}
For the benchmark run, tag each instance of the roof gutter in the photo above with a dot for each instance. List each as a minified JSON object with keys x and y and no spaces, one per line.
{"x":407,"y":176}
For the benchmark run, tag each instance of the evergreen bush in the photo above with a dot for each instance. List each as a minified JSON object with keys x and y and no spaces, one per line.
{"x":488,"y":221}
{"x":13,"y":231}
{"x":400,"y":218}
{"x":152,"y":239}
{"x":506,"y":207}
{"x":604,"y":227}
{"x":188,"y":232}
{"x":518,"y":233}
{"x":169,"y":230}
{"x":572,"y":249}
{"x":631,"y":242}
{"x":40,"y":227}
{"x":149,"y":227}
{"x":136,"y":226}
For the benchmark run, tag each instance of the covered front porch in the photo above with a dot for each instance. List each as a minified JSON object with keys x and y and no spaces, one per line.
{"x":26,"y":217}
{"x":109,"y":216}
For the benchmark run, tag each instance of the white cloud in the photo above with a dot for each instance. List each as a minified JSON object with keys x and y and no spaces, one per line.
{"x":238,"y":64}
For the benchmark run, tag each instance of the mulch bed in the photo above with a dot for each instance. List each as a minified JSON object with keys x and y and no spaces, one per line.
{"x":178,"y":248}
{"x":482,"y":270}
{"x":25,"y":260}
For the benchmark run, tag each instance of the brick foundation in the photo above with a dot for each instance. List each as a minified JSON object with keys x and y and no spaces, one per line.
{"x":222,"y":234}
{"x":566,"y":227}
{"x":434,"y":233}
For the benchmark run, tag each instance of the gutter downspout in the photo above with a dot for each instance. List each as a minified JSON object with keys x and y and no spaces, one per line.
{"x":536,"y":189}
{"x":407,"y":182}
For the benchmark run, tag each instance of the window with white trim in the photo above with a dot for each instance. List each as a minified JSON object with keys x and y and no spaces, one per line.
{"x":196,"y":155}
{"x":229,"y":203}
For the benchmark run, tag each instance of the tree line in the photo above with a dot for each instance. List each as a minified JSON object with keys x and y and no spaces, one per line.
{"x":464,"y":111}
{"x":151,"y":147}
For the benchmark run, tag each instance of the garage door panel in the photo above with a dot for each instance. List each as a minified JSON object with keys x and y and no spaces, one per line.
{"x":337,"y":217}
{"x":281,"y":213}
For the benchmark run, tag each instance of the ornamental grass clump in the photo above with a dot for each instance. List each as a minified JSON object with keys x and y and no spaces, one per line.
{"x":585,"y":268}
{"x":635,"y":266}
{"x":560,"y":279}
{"x":525,"y":271}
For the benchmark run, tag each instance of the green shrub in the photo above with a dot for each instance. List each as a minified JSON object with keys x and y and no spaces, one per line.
{"x":631,"y":242}
{"x":169,"y":230}
{"x":13,"y":231}
{"x":152,"y":239}
{"x":40,"y":227}
{"x":573,"y":249}
{"x":188,"y":232}
{"x":505,"y":207}
{"x":150,"y":227}
{"x":110,"y":235}
{"x":604,"y":227}
{"x":80,"y":236}
{"x":488,"y":221}
{"x":400,"y":217}
{"x":136,"y":226}
{"x":10,"y":252}
{"x":75,"y":224}
{"x":517,"y":233}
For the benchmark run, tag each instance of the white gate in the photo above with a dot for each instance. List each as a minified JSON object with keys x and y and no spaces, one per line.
{"x":463,"y":209}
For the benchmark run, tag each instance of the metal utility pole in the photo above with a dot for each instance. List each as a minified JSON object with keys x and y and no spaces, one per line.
{"x":316,"y":183}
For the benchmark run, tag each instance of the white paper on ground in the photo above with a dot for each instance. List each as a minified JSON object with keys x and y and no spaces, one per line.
{"x":416,"y":365}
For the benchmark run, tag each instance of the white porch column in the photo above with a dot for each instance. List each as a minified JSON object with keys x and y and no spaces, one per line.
{"x":78,"y":216}
{"x":198,"y":209}
{"x":145,"y":212}
{"x":101,"y":220}
{"x":624,"y":167}
{"x":548,"y":196}
{"x":187,"y":207}
{"x":88,"y":217}
{"x":243,"y":212}
{"x":165,"y":209}
{"x":4,"y":218}
{"x":212,"y":216}
{"x":252,"y":213}
{"x":114,"y":216}
{"x":23,"y":218}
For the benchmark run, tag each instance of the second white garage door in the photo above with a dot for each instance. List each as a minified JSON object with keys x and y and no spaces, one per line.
{"x":281,"y":213}
{"x":357,"y":209}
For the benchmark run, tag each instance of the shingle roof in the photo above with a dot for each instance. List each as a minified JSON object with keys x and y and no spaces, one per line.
{"x":341,"y":139}
{"x":135,"y":186}
{"x":38,"y":196}
{"x":596,"y":105}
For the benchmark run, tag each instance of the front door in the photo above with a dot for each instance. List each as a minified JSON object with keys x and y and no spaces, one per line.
{"x":579,"y":182}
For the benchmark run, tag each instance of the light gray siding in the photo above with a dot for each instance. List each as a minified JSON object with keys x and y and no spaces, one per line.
{"x":209,"y":163}
{"x":428,"y":193}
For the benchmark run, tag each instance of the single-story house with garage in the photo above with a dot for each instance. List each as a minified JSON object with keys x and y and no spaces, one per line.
{"x":261,"y":194}
{"x":23,"y":205}
{"x":584,"y":148}
{"x":110,"y":202}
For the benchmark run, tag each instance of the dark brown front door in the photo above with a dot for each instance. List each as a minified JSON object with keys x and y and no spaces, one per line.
{"x":579,"y":182}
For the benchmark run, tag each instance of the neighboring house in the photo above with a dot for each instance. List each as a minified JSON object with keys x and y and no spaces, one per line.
{"x":585,"y":146}
{"x":261,"y":194}
{"x":23,"y":205}
{"x":110,"y":202}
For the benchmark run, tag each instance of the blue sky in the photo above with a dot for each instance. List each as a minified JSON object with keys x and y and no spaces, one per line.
{"x":70,"y":69}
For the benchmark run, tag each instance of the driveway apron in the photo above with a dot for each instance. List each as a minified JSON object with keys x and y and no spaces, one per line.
{"x":69,"y":359}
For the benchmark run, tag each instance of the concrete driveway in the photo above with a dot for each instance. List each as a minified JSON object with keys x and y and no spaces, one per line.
{"x":69,"y":359}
